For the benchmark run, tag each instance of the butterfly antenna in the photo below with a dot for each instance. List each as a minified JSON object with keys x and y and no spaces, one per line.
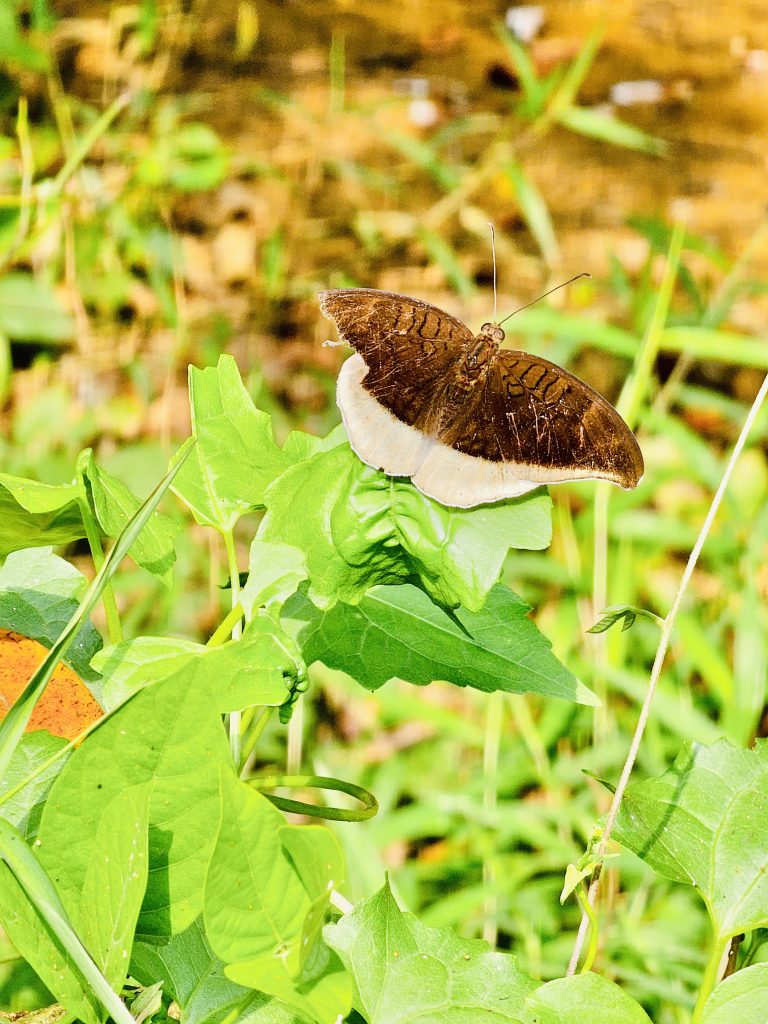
{"x":557,"y":286}
{"x":493,"y":253}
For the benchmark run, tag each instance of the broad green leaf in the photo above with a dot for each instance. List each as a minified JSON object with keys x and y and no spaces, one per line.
{"x":262,"y":910}
{"x":740,"y":999}
{"x":406,"y":972}
{"x":585,"y":997}
{"x":23,"y":810}
{"x":274,"y":573}
{"x":243,"y":673}
{"x":106,"y":912}
{"x":254,"y":900}
{"x":235,"y":458}
{"x":362,"y":528}
{"x":170,"y":736}
{"x":318,"y":861}
{"x":114,"y":504}
{"x":30,"y":311}
{"x":193,"y":976}
{"x":322,"y":990}
{"x":397,"y":632}
{"x":261,"y":1009}
{"x":299,"y":445}
{"x":705,"y":822}
{"x":34,"y":514}
{"x":39,"y":593}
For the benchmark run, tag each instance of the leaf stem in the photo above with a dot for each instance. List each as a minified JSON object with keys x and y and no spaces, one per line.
{"x":658,"y":663}
{"x":91,"y":137}
{"x":494,"y":717}
{"x":587,"y":909}
{"x":235,"y":718}
{"x":710,"y":978}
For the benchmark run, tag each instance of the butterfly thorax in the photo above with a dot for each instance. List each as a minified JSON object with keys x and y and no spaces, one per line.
{"x":477,"y":359}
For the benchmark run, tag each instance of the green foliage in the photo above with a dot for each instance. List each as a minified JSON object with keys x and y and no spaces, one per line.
{"x":359,"y":573}
{"x":145,"y":850}
{"x":694,"y":824}
{"x":397,"y":631}
{"x":404,"y":971}
{"x":456,"y":554}
{"x":39,"y":593}
{"x":585,"y":997}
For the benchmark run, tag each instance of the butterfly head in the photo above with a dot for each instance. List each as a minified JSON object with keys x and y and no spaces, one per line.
{"x":492,"y":331}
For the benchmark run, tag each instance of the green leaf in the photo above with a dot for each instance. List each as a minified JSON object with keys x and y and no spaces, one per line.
{"x":30,"y":311}
{"x":742,"y":998}
{"x":406,"y":972}
{"x":585,"y":997}
{"x":254,"y":900}
{"x":626,"y":614}
{"x":705,"y":822}
{"x":114,"y":505}
{"x":609,"y":129}
{"x":397,"y":632}
{"x":23,"y":810}
{"x":169,"y":735}
{"x":193,"y":976}
{"x":246,"y":672}
{"x":115,"y":879}
{"x":34,"y":514}
{"x":261,"y":912}
{"x":39,"y":593}
{"x":362,"y":528}
{"x":274,"y":573}
{"x":235,"y":458}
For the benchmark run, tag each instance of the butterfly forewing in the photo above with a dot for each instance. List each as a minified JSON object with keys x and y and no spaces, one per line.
{"x":545,"y":418}
{"x":408,"y":346}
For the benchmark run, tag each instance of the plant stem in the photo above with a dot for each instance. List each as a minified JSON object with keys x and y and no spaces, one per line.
{"x":91,"y":137}
{"x":234,"y":582}
{"x":628,"y":407}
{"x":588,"y":909}
{"x":710,"y":979}
{"x":658,"y":663}
{"x":494,"y":717}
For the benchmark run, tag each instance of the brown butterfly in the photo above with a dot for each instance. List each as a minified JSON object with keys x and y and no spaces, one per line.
{"x":469,"y":422}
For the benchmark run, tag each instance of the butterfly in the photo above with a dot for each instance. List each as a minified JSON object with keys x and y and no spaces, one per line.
{"x":467,"y":421}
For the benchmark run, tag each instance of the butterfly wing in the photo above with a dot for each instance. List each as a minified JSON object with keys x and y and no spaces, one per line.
{"x":530,"y":423}
{"x":408,"y":346}
{"x":550,"y":426}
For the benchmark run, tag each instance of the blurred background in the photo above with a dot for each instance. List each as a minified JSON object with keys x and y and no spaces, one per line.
{"x":178,"y":179}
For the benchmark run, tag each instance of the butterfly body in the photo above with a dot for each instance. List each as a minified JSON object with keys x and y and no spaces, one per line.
{"x":468,"y":421}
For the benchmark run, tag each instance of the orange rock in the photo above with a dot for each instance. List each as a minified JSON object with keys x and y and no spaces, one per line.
{"x":67,"y":705}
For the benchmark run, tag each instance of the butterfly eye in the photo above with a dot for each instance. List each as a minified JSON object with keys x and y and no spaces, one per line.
{"x":472,"y":361}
